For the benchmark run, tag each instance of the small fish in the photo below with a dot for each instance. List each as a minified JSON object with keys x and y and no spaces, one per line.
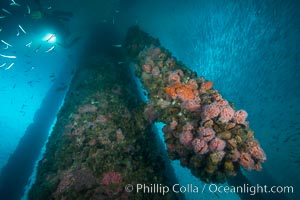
{"x":7,"y":68}
{"x":13,"y":3}
{"x":6,"y":11}
{"x":290,"y":137}
{"x":22,"y":29}
{"x":7,"y":44}
{"x":113,"y":20}
{"x":18,"y":33}
{"x":287,"y":139}
{"x":50,"y":49}
{"x":28,"y":44}
{"x":28,"y":9}
{"x":117,"y":45}
{"x":120,"y":63}
{"x":2,"y":65}
{"x":1,"y":17}
{"x":50,"y":37}
{"x":297,"y":162}
{"x":217,"y":195}
{"x":38,"y":48}
{"x":5,"y":56}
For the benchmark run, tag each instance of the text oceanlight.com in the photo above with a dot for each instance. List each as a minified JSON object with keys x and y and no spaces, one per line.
{"x":210,"y":188}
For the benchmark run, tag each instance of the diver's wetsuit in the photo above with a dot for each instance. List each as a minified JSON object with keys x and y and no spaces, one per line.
{"x":38,"y":3}
{"x":59,"y":21}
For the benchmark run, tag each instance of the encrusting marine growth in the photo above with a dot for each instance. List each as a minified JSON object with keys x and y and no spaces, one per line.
{"x":100,"y":142}
{"x":203,"y":130}
{"x":103,"y":140}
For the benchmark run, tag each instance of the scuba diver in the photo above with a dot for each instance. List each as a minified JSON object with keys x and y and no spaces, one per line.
{"x":57,"y":20}
{"x":33,"y":20}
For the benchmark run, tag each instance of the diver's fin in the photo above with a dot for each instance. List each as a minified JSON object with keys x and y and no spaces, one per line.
{"x":38,"y":3}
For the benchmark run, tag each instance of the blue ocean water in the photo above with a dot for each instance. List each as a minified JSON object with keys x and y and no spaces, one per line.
{"x":249,"y":49}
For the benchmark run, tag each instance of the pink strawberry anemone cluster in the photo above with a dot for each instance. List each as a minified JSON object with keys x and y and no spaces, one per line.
{"x":203,"y":130}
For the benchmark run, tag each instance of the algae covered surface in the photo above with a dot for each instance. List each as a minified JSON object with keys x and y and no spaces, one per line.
{"x":206,"y":132}
{"x":101,"y":141}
